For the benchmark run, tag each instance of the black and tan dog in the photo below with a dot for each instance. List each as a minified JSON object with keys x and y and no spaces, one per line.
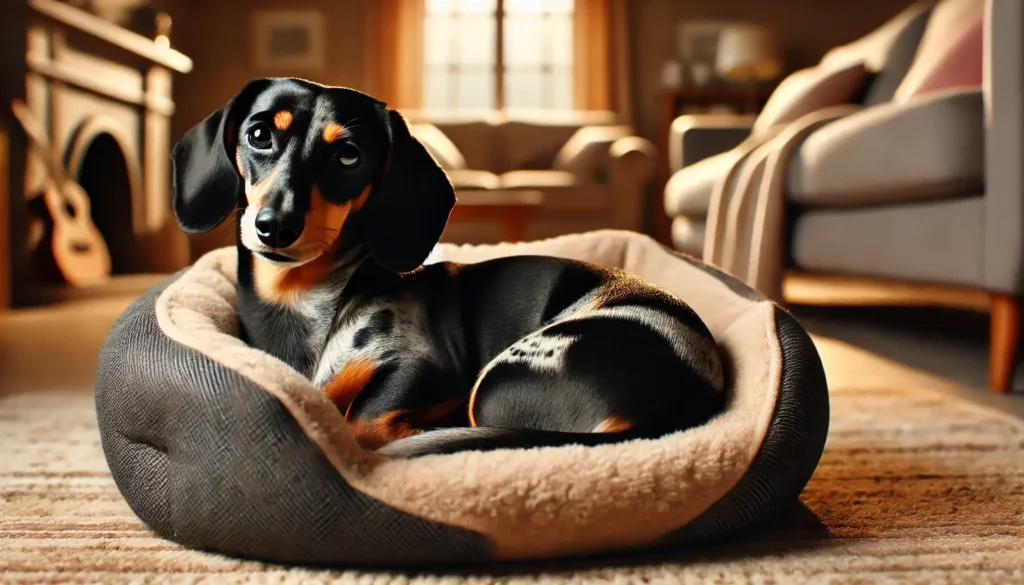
{"x":339,"y":206}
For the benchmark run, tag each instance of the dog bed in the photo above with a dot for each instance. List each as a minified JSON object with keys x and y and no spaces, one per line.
{"x":219,"y":446}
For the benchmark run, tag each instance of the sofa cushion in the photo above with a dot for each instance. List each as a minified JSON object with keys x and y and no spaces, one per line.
{"x":563,"y":192}
{"x":537,"y":179}
{"x":688,"y":191}
{"x":585,"y":154}
{"x":530,"y":145}
{"x":810,"y":90}
{"x":477,"y":140}
{"x":471,"y":179}
{"x":939,"y":137}
{"x":937,"y":241}
{"x":438,"y":145}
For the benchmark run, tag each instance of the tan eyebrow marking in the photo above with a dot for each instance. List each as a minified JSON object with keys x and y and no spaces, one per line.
{"x":332,"y":132}
{"x":282,"y":120}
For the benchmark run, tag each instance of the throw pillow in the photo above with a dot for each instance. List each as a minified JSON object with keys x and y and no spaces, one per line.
{"x":959,"y":65}
{"x":810,"y":90}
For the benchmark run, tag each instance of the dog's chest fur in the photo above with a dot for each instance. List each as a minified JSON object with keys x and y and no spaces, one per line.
{"x":337,"y":321}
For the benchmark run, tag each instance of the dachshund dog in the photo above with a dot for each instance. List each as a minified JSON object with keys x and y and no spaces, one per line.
{"x":339,"y":206}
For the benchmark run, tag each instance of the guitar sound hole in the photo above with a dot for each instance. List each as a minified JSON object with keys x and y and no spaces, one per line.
{"x":80,"y":247}
{"x":70,"y":210}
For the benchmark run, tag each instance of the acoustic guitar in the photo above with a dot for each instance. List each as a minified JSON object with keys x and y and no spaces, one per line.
{"x":76,"y":246}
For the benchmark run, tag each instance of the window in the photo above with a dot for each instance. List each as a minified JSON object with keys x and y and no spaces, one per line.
{"x":498,"y":54}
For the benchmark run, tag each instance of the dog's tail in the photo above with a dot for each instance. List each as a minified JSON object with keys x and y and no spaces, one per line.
{"x":452,"y":440}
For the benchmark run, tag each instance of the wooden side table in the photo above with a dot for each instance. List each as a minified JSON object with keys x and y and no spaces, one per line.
{"x":511,"y":209}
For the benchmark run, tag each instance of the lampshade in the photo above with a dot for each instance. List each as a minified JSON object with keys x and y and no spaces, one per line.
{"x":748,"y":53}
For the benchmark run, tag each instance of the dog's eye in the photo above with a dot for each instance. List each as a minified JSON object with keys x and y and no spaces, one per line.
{"x":349,"y":155}
{"x":259,"y":136}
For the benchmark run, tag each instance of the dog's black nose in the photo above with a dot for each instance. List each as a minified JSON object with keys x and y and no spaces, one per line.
{"x":277,"y":229}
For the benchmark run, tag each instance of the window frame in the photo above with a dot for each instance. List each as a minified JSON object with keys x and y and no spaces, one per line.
{"x":545,"y":68}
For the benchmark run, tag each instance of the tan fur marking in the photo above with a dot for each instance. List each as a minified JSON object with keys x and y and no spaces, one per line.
{"x":238,"y":162}
{"x":399,"y":424}
{"x":613,"y":424}
{"x":283,"y":285}
{"x":282,"y":120}
{"x":361,"y":200}
{"x":332,"y":132}
{"x":346,"y":384}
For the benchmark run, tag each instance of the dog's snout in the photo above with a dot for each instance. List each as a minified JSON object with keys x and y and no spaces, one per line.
{"x":277,"y":229}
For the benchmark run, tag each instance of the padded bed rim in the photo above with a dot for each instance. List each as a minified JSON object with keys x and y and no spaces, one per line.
{"x":790,"y":448}
{"x":793,"y":445}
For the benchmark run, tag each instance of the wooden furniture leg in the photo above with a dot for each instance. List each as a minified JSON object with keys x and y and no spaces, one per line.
{"x":1005,"y":337}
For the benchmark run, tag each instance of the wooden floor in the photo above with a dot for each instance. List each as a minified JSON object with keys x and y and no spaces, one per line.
{"x":830,"y":290}
{"x":56,"y":345}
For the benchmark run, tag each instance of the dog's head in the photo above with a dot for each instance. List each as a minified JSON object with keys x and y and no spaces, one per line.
{"x":312,"y":166}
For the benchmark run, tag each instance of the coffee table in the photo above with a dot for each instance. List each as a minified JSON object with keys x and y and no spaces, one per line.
{"x":511,"y":209}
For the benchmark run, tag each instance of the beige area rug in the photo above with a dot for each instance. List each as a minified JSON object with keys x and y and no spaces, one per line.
{"x":917,"y":485}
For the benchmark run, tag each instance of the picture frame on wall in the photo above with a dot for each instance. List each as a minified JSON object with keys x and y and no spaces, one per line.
{"x":288,"y":40}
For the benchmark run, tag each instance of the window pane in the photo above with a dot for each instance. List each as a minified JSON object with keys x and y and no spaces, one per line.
{"x":437,"y":40}
{"x":538,"y":6}
{"x":560,"y":84}
{"x":477,"y":6}
{"x":475,"y":36}
{"x":441,"y":6}
{"x":437,"y":82}
{"x":523,"y":89}
{"x":524,"y":43}
{"x":475,"y":89}
{"x":559,"y":40}
{"x":524,"y":6}
{"x":558,"y":6}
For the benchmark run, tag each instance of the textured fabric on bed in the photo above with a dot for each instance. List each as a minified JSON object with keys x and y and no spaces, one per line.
{"x":739,"y":469}
{"x":208,"y":459}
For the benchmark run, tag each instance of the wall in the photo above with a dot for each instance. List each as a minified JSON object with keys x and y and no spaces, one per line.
{"x":218,"y":37}
{"x":806,"y":28}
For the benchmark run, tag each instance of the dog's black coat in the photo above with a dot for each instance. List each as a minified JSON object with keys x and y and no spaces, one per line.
{"x":339,"y":208}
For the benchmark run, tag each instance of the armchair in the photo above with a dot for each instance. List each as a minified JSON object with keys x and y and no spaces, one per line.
{"x":709,"y":152}
{"x":925,"y":190}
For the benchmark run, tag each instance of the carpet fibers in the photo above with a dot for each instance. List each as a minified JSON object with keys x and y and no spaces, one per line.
{"x":917,"y":485}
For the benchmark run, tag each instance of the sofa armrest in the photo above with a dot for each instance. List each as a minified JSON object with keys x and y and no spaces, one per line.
{"x":631,"y":169}
{"x":693,"y":138}
{"x":927,"y":147}
{"x":1003,"y":256}
{"x":586,"y":153}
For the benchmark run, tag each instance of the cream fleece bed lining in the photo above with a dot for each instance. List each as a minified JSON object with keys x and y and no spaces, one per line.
{"x":542,"y":502}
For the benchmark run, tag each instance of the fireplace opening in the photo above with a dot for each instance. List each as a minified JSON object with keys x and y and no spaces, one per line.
{"x":103,"y":173}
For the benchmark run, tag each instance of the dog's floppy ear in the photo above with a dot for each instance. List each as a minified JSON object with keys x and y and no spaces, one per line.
{"x":405,"y":214}
{"x":207,"y":184}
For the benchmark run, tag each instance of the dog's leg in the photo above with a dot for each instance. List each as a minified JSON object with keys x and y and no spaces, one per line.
{"x":631,"y":369}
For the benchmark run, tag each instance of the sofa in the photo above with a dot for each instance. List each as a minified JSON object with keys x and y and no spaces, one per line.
{"x":708,"y":152}
{"x":593,"y":172}
{"x":926,"y":190}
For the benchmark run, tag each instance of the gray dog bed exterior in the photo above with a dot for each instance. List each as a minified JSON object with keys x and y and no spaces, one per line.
{"x":218,"y":446}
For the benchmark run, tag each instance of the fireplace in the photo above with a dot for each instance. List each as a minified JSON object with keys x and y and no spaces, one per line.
{"x":103,"y":94}
{"x":103,"y":168}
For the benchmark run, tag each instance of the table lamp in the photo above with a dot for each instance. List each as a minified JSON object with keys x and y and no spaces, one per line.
{"x":748,"y":53}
